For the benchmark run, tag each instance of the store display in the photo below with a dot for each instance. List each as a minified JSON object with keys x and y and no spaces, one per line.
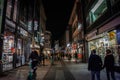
{"x":7,"y":56}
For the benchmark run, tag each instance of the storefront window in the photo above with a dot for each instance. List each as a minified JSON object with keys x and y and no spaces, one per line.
{"x":106,"y":41}
{"x":8,"y":50}
{"x":97,"y":10}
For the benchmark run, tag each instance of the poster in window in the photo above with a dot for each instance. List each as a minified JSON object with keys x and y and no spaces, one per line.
{"x":112,"y":35}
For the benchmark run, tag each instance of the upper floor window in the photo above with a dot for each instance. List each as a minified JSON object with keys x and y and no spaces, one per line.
{"x":1,"y":11}
{"x":9,"y":7}
{"x":1,"y":7}
{"x":15,"y":10}
{"x":96,"y":11}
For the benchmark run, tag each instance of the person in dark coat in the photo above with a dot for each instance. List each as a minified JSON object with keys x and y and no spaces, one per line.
{"x":94,"y":65}
{"x":109,"y":64}
{"x":14,"y":59}
{"x":76,"y":57}
{"x":43,"y":59}
{"x":35,"y":58}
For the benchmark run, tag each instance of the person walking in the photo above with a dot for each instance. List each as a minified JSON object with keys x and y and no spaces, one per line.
{"x":34,"y":58}
{"x":109,"y":64}
{"x":15,"y":60}
{"x":94,"y":65}
{"x":76,"y":56}
{"x":43,"y":59}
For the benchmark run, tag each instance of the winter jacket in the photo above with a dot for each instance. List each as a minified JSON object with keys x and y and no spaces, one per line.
{"x":109,"y":62}
{"x":95,"y":63}
{"x":34,"y":56}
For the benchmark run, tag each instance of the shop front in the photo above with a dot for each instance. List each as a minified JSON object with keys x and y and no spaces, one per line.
{"x":8,"y":51}
{"x":101,"y":42}
{"x":23,"y":46}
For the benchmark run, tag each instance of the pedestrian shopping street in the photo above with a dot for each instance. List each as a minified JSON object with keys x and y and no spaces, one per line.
{"x":61,"y":70}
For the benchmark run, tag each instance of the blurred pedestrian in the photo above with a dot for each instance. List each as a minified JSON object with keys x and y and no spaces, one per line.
{"x":94,"y":65}
{"x":43,"y":59}
{"x":76,"y":56}
{"x":109,"y":64}
{"x":34,"y":58}
{"x":15,"y":59}
{"x":69,"y":56}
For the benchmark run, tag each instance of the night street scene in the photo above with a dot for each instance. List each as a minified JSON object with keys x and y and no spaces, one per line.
{"x":59,"y":39}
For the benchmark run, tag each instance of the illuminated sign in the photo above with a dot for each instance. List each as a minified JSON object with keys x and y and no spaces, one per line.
{"x":30,"y":25}
{"x":35,"y":25}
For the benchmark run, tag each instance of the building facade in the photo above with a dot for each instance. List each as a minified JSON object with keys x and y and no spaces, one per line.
{"x":75,"y":23}
{"x":47,"y":43}
{"x":20,"y":23}
{"x":102,"y":26}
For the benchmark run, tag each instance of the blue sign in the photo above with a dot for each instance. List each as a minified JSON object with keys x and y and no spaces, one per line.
{"x":118,"y":36}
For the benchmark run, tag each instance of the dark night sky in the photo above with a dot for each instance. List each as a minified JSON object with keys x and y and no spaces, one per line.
{"x":58,"y":13}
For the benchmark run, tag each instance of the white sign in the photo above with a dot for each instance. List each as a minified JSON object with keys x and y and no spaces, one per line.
{"x":35,"y":25}
{"x":30,"y":25}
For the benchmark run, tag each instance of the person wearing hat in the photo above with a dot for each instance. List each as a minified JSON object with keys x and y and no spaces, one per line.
{"x":109,"y":64}
{"x":95,"y":65}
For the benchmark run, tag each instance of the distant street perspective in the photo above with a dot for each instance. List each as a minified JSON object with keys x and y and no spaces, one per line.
{"x":59,"y":39}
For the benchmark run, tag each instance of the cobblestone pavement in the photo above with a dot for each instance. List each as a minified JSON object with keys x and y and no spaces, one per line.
{"x":59,"y":71}
{"x":21,"y":73}
{"x":80,"y":71}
